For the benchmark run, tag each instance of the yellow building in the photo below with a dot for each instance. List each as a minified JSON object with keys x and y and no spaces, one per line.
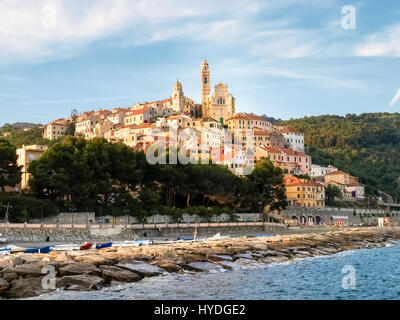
{"x":304,"y":193}
{"x":26,"y":155}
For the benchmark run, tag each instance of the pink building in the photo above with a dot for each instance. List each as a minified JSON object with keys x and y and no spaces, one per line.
{"x":290,"y":161}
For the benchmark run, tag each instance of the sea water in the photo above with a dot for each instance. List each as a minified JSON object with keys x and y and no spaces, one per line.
{"x":375,"y":274}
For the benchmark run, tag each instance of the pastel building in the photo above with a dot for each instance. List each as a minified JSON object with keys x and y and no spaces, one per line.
{"x":304,"y":192}
{"x":27,"y":154}
{"x":56,"y":129}
{"x":290,"y":161}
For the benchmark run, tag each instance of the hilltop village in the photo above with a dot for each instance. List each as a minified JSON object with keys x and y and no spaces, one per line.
{"x":205,"y":130}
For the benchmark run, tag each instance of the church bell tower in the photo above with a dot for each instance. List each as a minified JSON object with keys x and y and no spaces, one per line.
{"x":205,"y":87}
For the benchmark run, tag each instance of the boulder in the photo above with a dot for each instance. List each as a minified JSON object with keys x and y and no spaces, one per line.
{"x":10,"y":276}
{"x":25,"y":288}
{"x":18,"y":261}
{"x":246,"y":262}
{"x":229,"y":265}
{"x":143,"y":257}
{"x":204,"y":266}
{"x":217,"y":257}
{"x":248,"y":256}
{"x":25,"y":270}
{"x":4,"y":285}
{"x":111,"y":273}
{"x":277,"y":259}
{"x":81,"y":282}
{"x":141,"y":268}
{"x":79,"y":268}
{"x":167,"y":266}
{"x":94,"y":259}
{"x":270,"y":253}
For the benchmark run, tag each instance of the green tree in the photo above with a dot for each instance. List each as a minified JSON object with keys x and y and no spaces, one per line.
{"x":72,"y":125}
{"x":332,"y":192}
{"x":267,"y":185}
{"x":10,"y":172}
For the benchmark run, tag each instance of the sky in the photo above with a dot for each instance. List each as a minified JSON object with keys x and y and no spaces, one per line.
{"x":282,"y":58}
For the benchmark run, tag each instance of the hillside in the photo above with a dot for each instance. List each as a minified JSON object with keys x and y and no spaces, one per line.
{"x":365,"y":145}
{"x":19,"y":137}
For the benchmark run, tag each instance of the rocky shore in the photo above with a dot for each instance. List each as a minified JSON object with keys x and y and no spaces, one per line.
{"x":28,"y":275}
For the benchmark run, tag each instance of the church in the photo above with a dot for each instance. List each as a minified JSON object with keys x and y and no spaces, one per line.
{"x":221,"y":104}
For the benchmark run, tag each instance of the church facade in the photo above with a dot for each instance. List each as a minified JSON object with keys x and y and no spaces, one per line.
{"x":220,"y":105}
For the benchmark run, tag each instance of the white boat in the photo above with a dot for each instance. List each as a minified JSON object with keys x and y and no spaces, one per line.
{"x":15,"y":249}
{"x":134,"y":243}
{"x":218,"y":237}
{"x":126,"y":244}
{"x":2,"y":238}
{"x":65,"y":247}
{"x":5,"y":251}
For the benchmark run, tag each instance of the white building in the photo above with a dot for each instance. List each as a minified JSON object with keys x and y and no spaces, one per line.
{"x":294,"y":139}
{"x":321,"y":171}
{"x":355,"y":190}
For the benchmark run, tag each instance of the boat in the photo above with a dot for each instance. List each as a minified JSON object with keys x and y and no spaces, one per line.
{"x":126,"y":244}
{"x":45,"y":250}
{"x":31,"y":250}
{"x":38,"y":250}
{"x":86,"y":246}
{"x":104,"y":245}
{"x":65,"y":247}
{"x":15,"y":249}
{"x":145,"y":242}
{"x":5,"y":251}
{"x":185,"y":239}
{"x":218,"y":237}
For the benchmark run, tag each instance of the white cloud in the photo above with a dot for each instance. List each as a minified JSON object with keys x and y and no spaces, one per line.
{"x":25,"y":34}
{"x":384,"y":43}
{"x":25,"y":31}
{"x":395,"y":98}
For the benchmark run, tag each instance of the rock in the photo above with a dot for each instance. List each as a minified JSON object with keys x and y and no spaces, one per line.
{"x":94,"y":259}
{"x":79,"y":268}
{"x":141,"y":268}
{"x":4,"y":285}
{"x":246,"y":262}
{"x":181,"y":272}
{"x":230,"y":265}
{"x":143,"y":257}
{"x":18,"y":261}
{"x":10,"y":276}
{"x":217,"y":257}
{"x":81,"y":282}
{"x":204,"y":266}
{"x":111,"y":273}
{"x":302,"y":254}
{"x":26,"y":270}
{"x":257,"y":255}
{"x":270,"y":253}
{"x":278,"y":259}
{"x":248,"y":256}
{"x":25,"y":288}
{"x":168,"y":266}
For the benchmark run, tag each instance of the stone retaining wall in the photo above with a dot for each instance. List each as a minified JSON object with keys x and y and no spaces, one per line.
{"x":119,"y":233}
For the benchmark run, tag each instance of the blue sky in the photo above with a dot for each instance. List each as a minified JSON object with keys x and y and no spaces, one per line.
{"x":282,"y":58}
